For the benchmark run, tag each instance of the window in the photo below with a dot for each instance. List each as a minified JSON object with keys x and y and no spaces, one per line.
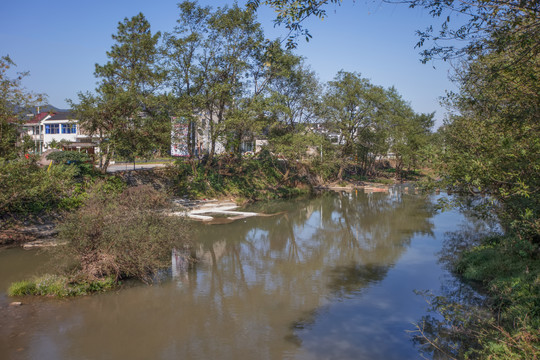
{"x":52,"y":128}
{"x":69,"y":128}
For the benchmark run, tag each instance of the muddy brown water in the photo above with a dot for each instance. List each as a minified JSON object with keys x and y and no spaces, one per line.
{"x":332,"y":277}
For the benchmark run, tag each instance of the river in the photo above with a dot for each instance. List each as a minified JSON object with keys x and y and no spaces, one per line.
{"x":330,"y":277}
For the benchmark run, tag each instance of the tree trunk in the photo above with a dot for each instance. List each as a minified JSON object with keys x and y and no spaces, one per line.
{"x":399,"y":164}
{"x":340,"y":172}
{"x":106,"y":163}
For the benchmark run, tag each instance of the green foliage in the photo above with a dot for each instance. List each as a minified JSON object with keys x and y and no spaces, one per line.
{"x":510,"y":271}
{"x":493,"y":146}
{"x":480,"y":21}
{"x":408,"y":134}
{"x":81,"y":161}
{"x":22,"y":288}
{"x":67,"y":157}
{"x":260,"y":178}
{"x":27,"y":188}
{"x":126,"y":113}
{"x":121,"y":235}
{"x":213,"y":57}
{"x":14,"y":103}
{"x":292,"y":13}
{"x":60,"y":286}
{"x":294,"y":92}
{"x":369,"y":122}
{"x":505,"y":325}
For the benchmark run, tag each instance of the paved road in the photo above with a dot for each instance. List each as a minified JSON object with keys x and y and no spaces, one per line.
{"x":129,"y":166}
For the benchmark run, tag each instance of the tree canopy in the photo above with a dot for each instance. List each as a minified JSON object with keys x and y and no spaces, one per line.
{"x":15,"y":103}
{"x":126,"y":113}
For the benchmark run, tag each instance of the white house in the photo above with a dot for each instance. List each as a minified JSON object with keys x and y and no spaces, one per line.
{"x":48,"y":127}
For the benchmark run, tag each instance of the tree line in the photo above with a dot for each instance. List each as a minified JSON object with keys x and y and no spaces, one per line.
{"x":219,"y":73}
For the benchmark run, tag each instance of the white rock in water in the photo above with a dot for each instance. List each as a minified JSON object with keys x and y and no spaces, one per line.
{"x":16,"y":303}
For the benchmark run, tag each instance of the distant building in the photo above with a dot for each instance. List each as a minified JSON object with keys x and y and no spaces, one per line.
{"x":47,"y":128}
{"x":200,"y":137}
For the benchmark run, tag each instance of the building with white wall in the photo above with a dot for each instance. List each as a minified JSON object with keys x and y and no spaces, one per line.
{"x":47,"y":128}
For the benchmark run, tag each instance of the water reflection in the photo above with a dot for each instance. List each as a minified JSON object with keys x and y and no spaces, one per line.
{"x":259,"y":289}
{"x":456,"y":307}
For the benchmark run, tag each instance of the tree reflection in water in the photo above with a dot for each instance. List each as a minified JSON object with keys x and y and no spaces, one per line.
{"x":320,"y":249}
{"x":458,"y":312}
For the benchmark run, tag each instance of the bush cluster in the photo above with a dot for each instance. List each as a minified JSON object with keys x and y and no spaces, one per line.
{"x":121,"y":235}
{"x":27,"y":188}
{"x":504,"y":322}
{"x":511,"y":276}
{"x":257,"y":178}
{"x":30,"y":189}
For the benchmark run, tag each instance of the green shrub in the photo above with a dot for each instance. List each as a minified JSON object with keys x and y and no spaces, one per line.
{"x":68,"y":157}
{"x":27,"y":188}
{"x":122,"y":235}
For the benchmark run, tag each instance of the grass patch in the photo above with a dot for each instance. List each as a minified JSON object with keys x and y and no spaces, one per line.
{"x":60,"y":286}
{"x":503,"y":325}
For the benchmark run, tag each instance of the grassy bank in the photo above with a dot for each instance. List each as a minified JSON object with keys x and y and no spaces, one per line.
{"x":500,"y":318}
{"x":508,"y":269}
{"x":251,"y":179}
{"x":264,"y":177}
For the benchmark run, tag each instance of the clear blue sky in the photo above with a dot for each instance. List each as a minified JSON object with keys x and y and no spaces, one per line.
{"x":59,"y":42}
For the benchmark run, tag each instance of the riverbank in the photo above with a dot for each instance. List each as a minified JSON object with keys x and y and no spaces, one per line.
{"x":38,"y":198}
{"x":505,"y":323}
{"x":508,"y":269}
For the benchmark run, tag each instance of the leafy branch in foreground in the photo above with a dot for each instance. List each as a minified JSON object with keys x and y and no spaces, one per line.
{"x":293,"y":13}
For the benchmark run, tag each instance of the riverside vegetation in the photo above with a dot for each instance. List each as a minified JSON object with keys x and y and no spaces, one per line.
{"x":115,"y":234}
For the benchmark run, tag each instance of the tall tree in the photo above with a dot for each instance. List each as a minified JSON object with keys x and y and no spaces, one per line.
{"x":185,"y":74}
{"x":294,"y":92}
{"x":293,"y":100}
{"x":126,"y":111}
{"x":492,"y":142}
{"x":407,"y":133}
{"x":218,"y":69}
{"x":353,"y":108}
{"x":231,"y":63}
